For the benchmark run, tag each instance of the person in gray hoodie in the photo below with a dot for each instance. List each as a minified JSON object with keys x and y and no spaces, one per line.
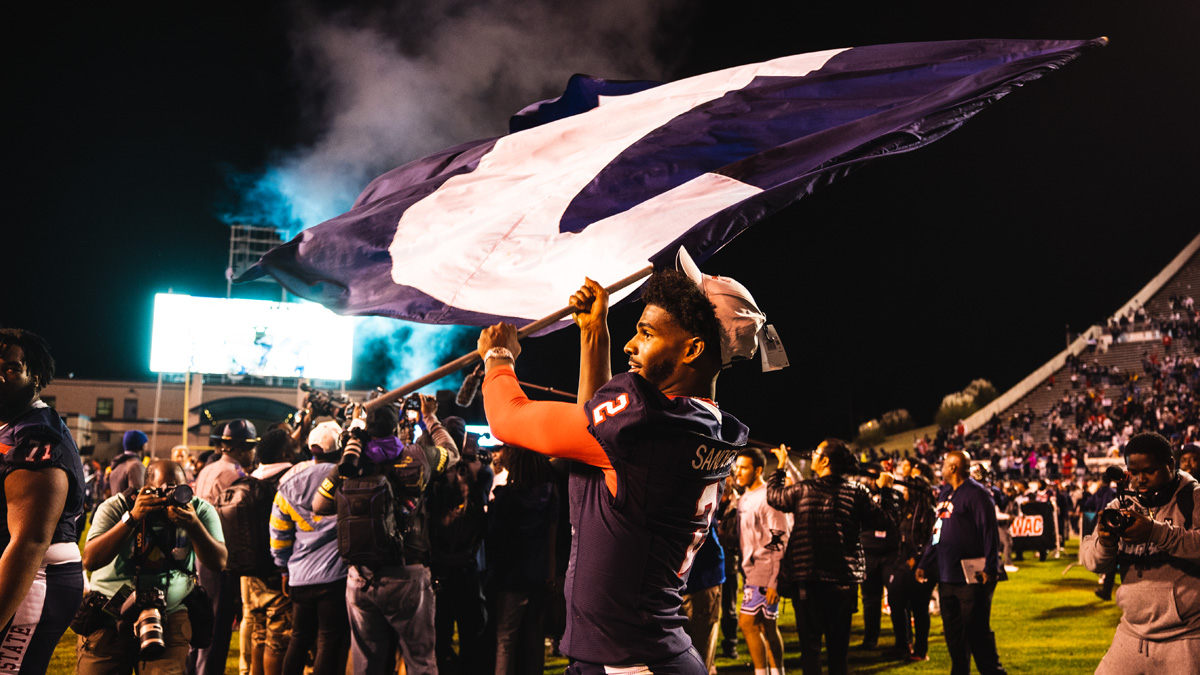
{"x":1157,"y":552}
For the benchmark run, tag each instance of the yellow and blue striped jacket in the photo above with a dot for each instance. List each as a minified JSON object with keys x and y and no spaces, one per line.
{"x":303,"y":542}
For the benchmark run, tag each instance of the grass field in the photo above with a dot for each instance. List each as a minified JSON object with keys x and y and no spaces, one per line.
{"x":1045,"y":622}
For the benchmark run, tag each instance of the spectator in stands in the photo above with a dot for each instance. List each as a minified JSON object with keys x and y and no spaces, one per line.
{"x":1189,"y":458}
{"x":1158,"y":632}
{"x":161,"y":560}
{"x":127,"y":470}
{"x":266,"y":608}
{"x":822,"y":564}
{"x":306,"y":545}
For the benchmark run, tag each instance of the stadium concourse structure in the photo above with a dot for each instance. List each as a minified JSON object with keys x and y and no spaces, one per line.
{"x":99,"y":412}
{"x":1045,"y":387}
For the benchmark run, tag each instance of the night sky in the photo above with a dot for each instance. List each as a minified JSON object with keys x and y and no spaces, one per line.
{"x":132,"y":134}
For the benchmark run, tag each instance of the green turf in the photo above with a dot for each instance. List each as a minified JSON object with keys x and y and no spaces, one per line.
{"x":1045,"y":622}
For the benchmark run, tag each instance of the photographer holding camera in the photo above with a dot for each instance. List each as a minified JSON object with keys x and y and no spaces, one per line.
{"x":146,"y":541}
{"x":1148,"y":534}
{"x":379,"y":496}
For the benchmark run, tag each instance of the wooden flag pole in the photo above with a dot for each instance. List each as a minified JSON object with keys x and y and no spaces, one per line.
{"x":468,"y":359}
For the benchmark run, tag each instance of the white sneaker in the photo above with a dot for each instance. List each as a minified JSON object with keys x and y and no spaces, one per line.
{"x":1011,"y":568}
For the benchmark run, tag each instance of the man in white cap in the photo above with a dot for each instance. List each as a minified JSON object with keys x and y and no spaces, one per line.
{"x":652,"y":451}
{"x":306,"y":545}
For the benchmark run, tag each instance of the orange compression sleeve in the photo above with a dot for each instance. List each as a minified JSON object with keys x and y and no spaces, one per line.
{"x":547,"y":427}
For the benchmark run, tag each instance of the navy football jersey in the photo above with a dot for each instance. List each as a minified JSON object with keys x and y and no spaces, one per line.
{"x":37,"y":439}
{"x":630,"y":554}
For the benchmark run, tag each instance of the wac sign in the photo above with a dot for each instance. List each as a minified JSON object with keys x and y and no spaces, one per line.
{"x":1027,"y":526}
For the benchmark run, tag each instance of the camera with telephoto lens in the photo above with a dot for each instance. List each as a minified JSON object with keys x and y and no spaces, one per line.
{"x":180,"y":495}
{"x":1115,"y":520}
{"x":149,"y":625}
{"x":327,"y":403}
{"x":354,"y":437}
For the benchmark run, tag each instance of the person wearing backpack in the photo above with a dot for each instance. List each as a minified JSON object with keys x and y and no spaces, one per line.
{"x":306,"y":544}
{"x":266,"y":608}
{"x":233,"y":458}
{"x":379,"y":496}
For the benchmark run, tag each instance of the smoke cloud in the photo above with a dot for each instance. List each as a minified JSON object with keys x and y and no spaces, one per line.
{"x":388,"y":85}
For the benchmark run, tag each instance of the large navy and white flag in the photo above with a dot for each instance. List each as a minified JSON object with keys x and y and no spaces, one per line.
{"x":612,"y":175}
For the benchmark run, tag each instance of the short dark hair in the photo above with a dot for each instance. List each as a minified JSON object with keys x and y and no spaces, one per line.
{"x":757,"y":457}
{"x":841,"y":459}
{"x":37,"y":353}
{"x":925,"y":470}
{"x":680,"y":297}
{"x":275,"y":447}
{"x":1150,"y":443}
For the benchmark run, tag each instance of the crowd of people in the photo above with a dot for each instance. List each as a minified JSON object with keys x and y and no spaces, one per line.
{"x":381,"y":536}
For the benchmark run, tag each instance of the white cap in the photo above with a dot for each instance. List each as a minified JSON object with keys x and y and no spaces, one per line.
{"x":325,"y":436}
{"x":740,"y":318}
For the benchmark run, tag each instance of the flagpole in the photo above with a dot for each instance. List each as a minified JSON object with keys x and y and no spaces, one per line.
{"x":467,"y":359}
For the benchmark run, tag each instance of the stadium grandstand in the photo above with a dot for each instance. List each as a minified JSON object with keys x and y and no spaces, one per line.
{"x":1138,"y":370}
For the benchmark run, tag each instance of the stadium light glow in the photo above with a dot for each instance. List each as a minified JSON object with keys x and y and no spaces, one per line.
{"x":260,"y":338}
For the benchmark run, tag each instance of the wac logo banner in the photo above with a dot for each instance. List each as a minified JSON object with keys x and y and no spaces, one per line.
{"x":1027,"y":526}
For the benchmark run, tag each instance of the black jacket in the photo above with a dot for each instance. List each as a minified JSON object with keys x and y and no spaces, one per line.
{"x":828,"y":515}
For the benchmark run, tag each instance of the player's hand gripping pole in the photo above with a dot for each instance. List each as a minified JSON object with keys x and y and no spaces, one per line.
{"x":467,"y":359}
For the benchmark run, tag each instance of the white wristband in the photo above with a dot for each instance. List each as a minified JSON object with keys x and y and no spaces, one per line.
{"x":499,"y":353}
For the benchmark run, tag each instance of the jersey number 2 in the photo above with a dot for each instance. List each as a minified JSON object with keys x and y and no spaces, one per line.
{"x":609,"y":408}
{"x":704,"y":509}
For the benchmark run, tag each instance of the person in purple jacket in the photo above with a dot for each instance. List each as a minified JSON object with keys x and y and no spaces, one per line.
{"x":964,"y":557}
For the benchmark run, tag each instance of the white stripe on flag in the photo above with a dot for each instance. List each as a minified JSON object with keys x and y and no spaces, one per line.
{"x":515,"y":198}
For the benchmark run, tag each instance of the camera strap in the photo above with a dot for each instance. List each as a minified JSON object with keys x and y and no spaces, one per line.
{"x":147,"y":538}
